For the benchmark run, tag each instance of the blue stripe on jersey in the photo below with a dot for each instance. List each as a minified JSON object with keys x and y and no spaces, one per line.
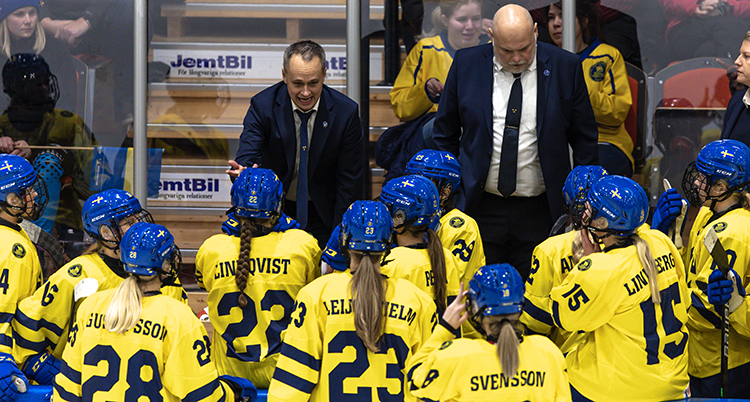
{"x":300,"y":356}
{"x":6,"y":340}
{"x":67,"y":371}
{"x":5,"y":317}
{"x":35,"y":325}
{"x":556,"y":314}
{"x":204,"y":391}
{"x":293,"y":381}
{"x":537,"y":313}
{"x":704,"y":312}
{"x":410,"y":376}
{"x":428,"y":400}
{"x":27,"y":344}
{"x":65,"y":394}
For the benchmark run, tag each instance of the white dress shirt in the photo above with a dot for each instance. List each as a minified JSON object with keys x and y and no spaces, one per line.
{"x":529,"y":179}
{"x":291,"y":192}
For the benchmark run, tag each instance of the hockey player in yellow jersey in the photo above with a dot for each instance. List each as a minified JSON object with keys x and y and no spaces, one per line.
{"x":152,"y":345}
{"x":253,"y":279}
{"x":22,"y":196}
{"x":420,"y":257}
{"x":553,"y":259}
{"x":458,"y":232}
{"x":519,"y":368}
{"x":629,"y":297}
{"x":351,"y":333}
{"x":42,"y":322}
{"x":718,"y":182}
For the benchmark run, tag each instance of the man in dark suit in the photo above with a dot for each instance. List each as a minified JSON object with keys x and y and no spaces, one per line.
{"x":737,"y":116}
{"x":509,"y":110}
{"x":311,"y":136}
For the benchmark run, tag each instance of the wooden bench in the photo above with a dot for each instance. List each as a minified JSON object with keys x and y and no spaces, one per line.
{"x":291,"y":14}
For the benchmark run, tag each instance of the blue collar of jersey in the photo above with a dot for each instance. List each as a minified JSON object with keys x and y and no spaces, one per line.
{"x":9,"y":224}
{"x":718,"y":215}
{"x":587,"y":52}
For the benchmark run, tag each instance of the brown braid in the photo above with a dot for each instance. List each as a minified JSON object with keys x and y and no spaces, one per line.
{"x":243,"y":263}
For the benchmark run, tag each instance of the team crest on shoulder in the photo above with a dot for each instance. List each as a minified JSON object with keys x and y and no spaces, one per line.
{"x":598,"y":71}
{"x":720,"y":226}
{"x":584,"y":265}
{"x":75,"y":270}
{"x":457,"y":221}
{"x":19,"y":251}
{"x":445,"y":345}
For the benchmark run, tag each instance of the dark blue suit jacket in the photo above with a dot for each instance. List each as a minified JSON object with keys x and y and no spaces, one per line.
{"x":564,"y":117}
{"x":735,"y":108}
{"x":335,"y":161}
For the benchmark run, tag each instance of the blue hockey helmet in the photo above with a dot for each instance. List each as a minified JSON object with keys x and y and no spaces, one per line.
{"x":619,"y":200}
{"x":366,"y":226}
{"x":727,"y":160}
{"x":415,"y":195}
{"x":495,"y":289}
{"x":576,"y":186}
{"x":113,"y":209}
{"x":257,"y":193}
{"x":145,"y":248}
{"x":18,"y":177}
{"x":440,"y":166}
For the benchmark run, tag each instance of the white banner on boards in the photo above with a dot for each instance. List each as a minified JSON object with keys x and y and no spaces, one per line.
{"x":195,"y":187}
{"x":248,"y":64}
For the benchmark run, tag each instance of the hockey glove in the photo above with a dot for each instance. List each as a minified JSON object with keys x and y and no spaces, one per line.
{"x":11,"y":379}
{"x":727,"y":290}
{"x":332,"y":254}
{"x":285,"y":223}
{"x":668,"y":208}
{"x":231,"y":226}
{"x":243,"y":389}
{"x":42,"y":368}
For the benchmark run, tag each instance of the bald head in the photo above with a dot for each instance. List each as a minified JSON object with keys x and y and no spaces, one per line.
{"x":514,"y":37}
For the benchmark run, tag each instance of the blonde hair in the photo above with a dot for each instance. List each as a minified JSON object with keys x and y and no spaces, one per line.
{"x":504,"y":328}
{"x":446,"y":8}
{"x":125,"y":307}
{"x":647,"y":261}
{"x":5,"y":38}
{"x":368,"y":288}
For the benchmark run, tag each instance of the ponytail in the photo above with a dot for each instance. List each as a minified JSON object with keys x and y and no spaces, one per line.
{"x":745,"y":195}
{"x":243,"y":265}
{"x":368,"y":297}
{"x":504,"y":328}
{"x":125,"y":306}
{"x":437,"y":261}
{"x":577,"y":247}
{"x":647,"y":261}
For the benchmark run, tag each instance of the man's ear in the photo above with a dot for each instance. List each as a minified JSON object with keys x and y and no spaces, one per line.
{"x":536,"y":32}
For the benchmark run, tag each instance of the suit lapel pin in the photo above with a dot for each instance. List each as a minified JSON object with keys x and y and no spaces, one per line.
{"x":546,"y":73}
{"x":325,"y":124}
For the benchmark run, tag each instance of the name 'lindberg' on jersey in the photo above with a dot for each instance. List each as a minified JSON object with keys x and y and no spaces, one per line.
{"x":638,"y":282}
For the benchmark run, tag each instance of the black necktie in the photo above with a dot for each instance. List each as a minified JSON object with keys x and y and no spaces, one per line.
{"x":302,"y":170}
{"x":506,"y":178}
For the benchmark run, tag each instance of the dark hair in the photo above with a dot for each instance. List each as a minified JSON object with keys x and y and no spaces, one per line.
{"x":307,"y":49}
{"x":248,"y":226}
{"x":588,"y":11}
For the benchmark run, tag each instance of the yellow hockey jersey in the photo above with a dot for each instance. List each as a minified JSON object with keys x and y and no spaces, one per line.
{"x":447,"y":370}
{"x":43,"y":318}
{"x":281,"y":263}
{"x":609,"y":92}
{"x":323,"y":359}
{"x":20,"y":276}
{"x":460,"y":234}
{"x":632,"y":349}
{"x":164,"y":357}
{"x":413,"y":264}
{"x":551,"y":262}
{"x":704,"y":322}
{"x":430,"y":58}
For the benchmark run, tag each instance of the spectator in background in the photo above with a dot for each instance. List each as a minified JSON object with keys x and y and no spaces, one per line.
{"x":701,"y":29}
{"x":737,"y":117}
{"x":607,"y":82}
{"x":416,"y":92}
{"x":20,"y":33}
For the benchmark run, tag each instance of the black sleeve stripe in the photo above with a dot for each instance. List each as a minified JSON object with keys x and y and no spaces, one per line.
{"x":35,"y":325}
{"x":204,"y":391}
{"x":65,"y":394}
{"x":67,"y":371}
{"x":537,"y":313}
{"x":293,"y":381}
{"x":698,"y":305}
{"x":300,"y":356}
{"x":556,"y":314}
